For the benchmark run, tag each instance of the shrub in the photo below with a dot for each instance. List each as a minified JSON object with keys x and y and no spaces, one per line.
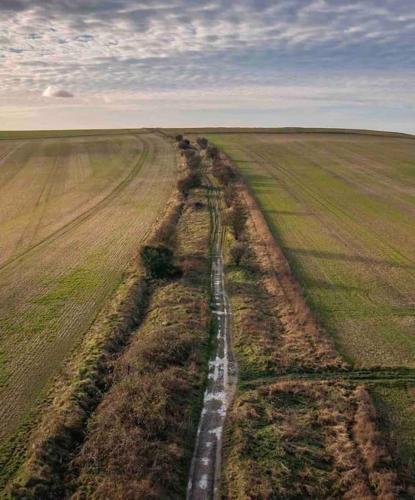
{"x":223,"y":172}
{"x":184,"y":144}
{"x":193,"y":158}
{"x":202,"y":142}
{"x":192,"y":180}
{"x":179,"y":137}
{"x":158,"y":261}
{"x":212,"y":152}
{"x":237,"y":252}
{"x":237,"y":220}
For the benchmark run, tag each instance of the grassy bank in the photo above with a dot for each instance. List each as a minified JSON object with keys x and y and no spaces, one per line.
{"x":140,"y":439}
{"x":301,"y":439}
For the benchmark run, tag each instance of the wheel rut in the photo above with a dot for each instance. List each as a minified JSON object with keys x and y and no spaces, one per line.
{"x":204,"y":479}
{"x":81,"y":218}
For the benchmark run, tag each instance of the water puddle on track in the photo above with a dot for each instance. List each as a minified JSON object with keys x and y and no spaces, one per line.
{"x":205,"y":470}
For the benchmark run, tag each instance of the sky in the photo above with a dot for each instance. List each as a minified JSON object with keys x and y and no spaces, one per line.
{"x":135,"y":63}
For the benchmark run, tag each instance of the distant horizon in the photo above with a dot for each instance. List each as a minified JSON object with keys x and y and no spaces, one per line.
{"x":201,"y":127}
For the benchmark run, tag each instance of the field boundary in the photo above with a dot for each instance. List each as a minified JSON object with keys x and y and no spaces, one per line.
{"x":88,"y":375}
{"x":291,"y":130}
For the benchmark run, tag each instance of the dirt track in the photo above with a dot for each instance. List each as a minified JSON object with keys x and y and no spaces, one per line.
{"x":206,"y":465}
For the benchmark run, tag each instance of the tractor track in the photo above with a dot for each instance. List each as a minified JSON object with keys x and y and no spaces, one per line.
{"x":205,"y":472}
{"x":81,"y":218}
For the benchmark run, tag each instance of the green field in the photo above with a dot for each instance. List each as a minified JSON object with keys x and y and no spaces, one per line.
{"x":342,"y":206}
{"x":73,"y":211}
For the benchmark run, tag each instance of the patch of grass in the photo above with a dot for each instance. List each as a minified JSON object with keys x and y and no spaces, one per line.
{"x":70,"y":287}
{"x":256,"y":330}
{"x":292,"y":440}
{"x":396,"y":413}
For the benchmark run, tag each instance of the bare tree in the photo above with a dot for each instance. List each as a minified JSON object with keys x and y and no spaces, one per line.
{"x":238,"y":218}
{"x":212,"y":152}
{"x":237,"y":251}
{"x":202,"y":142}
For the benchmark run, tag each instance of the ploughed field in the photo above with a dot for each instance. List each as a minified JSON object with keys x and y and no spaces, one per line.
{"x":342,"y":207}
{"x":73,"y":211}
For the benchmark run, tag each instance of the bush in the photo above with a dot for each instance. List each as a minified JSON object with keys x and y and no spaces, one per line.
{"x":179,"y":137}
{"x":237,"y":220}
{"x":158,"y":262}
{"x":191,"y":181}
{"x":237,"y":252}
{"x":212,"y":152}
{"x":193,"y":158}
{"x":224,"y":173}
{"x":184,"y":144}
{"x":202,"y":142}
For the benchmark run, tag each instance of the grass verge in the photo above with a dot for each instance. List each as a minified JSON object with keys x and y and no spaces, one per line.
{"x":140,"y":439}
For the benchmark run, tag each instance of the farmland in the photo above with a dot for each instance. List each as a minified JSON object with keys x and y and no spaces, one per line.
{"x":73,"y":211}
{"x":342,"y":207}
{"x":322,"y":301}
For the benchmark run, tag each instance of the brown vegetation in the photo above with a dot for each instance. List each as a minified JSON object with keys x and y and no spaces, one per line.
{"x":193,"y":158}
{"x":237,"y":251}
{"x":140,"y":438}
{"x":292,"y":440}
{"x":223,"y":171}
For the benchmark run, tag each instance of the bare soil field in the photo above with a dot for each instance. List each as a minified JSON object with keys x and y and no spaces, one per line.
{"x":72,"y":214}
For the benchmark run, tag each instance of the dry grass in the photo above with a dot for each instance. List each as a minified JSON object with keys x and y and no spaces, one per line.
{"x":299,"y":439}
{"x":140,"y":439}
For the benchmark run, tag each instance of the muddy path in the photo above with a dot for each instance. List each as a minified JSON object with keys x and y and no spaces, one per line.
{"x":205,"y":471}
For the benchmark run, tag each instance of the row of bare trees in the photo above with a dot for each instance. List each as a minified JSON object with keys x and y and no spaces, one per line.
{"x":235,"y":215}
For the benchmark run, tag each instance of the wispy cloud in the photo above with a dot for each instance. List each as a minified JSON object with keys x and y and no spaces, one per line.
{"x":361,"y":53}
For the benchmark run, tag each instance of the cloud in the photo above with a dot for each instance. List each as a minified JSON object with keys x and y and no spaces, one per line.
{"x":53,"y":91}
{"x":107,"y":47}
